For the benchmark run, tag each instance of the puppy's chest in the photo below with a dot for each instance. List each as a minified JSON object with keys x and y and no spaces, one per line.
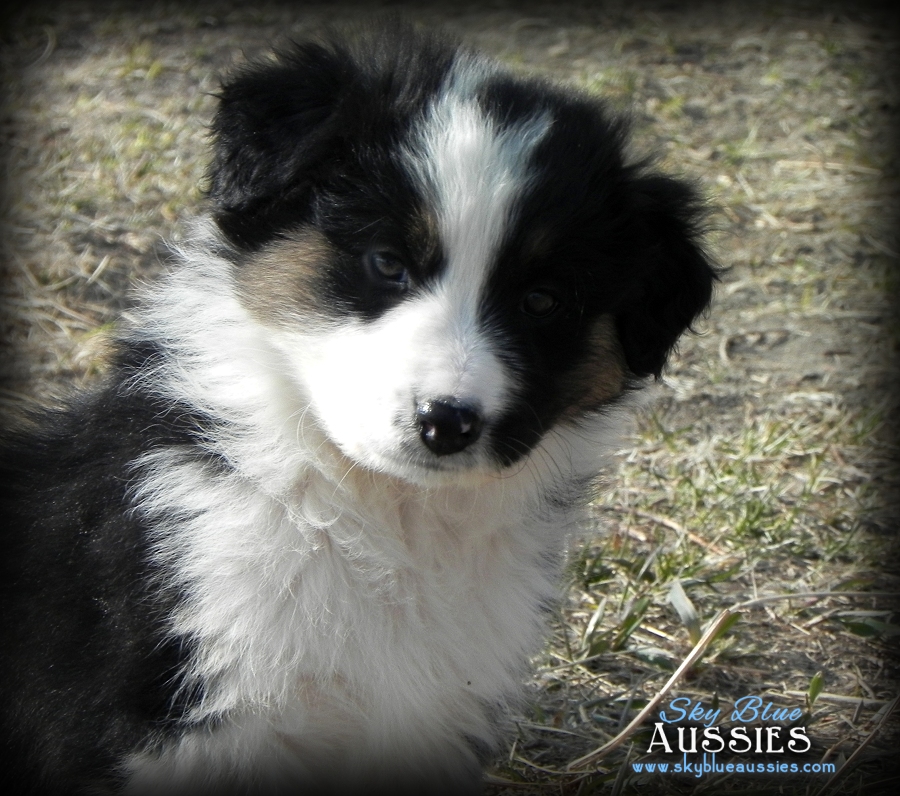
{"x":357,"y":624}
{"x":363,"y":596}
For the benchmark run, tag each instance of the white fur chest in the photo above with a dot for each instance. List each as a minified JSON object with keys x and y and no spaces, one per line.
{"x":359,"y":626}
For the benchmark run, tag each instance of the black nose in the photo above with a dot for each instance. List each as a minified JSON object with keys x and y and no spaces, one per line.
{"x":446,"y":427}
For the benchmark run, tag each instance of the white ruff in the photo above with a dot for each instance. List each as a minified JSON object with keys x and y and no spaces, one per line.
{"x":348,"y":623}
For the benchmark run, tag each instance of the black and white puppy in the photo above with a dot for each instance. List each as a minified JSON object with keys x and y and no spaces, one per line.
{"x":305,"y":532}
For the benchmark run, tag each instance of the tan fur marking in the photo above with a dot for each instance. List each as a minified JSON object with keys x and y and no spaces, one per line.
{"x":277,"y":285}
{"x":423,"y":236}
{"x":600,"y":377}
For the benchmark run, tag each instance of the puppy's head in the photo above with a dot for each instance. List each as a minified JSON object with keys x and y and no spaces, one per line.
{"x":453,"y":260}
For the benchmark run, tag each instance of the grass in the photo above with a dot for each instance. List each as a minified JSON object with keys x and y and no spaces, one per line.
{"x":764,"y":476}
{"x":699,"y":523}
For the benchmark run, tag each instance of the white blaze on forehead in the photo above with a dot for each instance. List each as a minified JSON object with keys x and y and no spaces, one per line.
{"x":472,"y":172}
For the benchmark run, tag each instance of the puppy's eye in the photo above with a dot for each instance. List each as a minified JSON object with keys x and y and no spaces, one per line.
{"x":387,"y":267}
{"x":539,"y":304}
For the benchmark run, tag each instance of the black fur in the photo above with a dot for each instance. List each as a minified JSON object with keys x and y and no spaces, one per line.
{"x":286,"y":133}
{"x":86,"y":672}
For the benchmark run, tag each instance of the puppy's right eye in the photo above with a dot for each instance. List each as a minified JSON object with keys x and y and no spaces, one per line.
{"x":387,"y":267}
{"x":539,"y":304}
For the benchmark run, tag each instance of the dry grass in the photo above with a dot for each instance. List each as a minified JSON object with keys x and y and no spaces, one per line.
{"x":767,"y":467}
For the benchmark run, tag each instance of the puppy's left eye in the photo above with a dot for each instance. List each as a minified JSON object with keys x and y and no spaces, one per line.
{"x":387,"y":267}
{"x":539,"y":304}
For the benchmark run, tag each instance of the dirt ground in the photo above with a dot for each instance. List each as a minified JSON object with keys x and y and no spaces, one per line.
{"x":770,"y":452}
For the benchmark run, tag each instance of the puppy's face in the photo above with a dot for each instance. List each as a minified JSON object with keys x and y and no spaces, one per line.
{"x":452,"y":261}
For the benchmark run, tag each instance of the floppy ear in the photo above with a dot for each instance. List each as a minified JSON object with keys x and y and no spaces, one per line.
{"x":275,"y":122}
{"x":677,"y":280}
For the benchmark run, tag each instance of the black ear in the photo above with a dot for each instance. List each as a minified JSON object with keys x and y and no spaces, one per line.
{"x":276,"y":121}
{"x":677,"y":276}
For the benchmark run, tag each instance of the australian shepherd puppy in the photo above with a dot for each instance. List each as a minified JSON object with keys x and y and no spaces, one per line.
{"x":305,"y":532}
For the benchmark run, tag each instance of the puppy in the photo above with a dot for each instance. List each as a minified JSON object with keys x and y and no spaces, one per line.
{"x":305,"y":532}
